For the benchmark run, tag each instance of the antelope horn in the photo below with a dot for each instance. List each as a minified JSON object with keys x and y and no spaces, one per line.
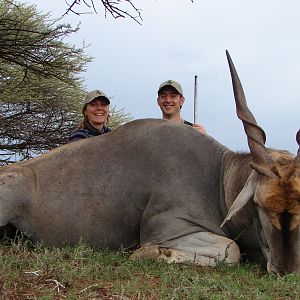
{"x":297,"y":158}
{"x":261,"y":160}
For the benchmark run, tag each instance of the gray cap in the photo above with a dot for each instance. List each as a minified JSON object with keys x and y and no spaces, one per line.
{"x":173,"y":84}
{"x":96,"y":94}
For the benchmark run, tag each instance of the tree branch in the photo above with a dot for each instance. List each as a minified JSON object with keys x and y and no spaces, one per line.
{"x":110,"y":6}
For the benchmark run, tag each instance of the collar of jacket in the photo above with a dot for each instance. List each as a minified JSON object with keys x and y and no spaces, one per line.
{"x":93,"y":130}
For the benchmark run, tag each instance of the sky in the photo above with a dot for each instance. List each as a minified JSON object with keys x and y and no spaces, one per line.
{"x":182,"y":39}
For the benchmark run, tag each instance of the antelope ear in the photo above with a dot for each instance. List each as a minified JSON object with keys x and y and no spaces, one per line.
{"x":239,"y":210}
{"x":268,"y":171}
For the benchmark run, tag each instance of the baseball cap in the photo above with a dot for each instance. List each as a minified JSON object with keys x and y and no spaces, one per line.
{"x":172,"y":83}
{"x":96,"y":94}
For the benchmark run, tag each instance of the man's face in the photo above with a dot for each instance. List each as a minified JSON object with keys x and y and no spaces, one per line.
{"x":169,"y":101}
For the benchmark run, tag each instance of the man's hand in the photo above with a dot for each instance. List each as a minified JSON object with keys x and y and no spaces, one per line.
{"x":200,"y":128}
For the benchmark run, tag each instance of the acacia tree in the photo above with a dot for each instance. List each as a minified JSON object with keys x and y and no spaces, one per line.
{"x":41,"y":90}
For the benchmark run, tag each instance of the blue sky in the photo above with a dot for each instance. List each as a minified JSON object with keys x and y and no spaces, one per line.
{"x":180,"y":39}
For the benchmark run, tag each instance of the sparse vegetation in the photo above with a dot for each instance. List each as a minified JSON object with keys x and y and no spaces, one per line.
{"x":38,"y":272}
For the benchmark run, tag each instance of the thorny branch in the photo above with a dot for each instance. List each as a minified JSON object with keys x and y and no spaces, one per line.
{"x":113,"y":7}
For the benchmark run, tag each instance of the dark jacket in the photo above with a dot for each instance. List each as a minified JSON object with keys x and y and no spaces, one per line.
{"x":187,"y":123}
{"x":87,"y":131}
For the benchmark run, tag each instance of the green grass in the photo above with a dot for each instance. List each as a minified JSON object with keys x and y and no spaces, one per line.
{"x":38,"y":272}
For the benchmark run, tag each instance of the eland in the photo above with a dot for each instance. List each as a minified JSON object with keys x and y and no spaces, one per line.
{"x":176,"y":193}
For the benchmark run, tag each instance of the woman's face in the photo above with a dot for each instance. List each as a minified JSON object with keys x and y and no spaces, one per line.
{"x":97,"y":112}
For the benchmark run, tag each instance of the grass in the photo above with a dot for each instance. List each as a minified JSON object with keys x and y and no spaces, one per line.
{"x":38,"y":272}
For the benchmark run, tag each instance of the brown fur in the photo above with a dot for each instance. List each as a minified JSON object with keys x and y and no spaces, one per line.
{"x":282,"y":194}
